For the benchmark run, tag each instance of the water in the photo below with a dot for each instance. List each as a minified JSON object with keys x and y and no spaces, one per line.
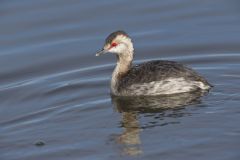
{"x":54,"y":92}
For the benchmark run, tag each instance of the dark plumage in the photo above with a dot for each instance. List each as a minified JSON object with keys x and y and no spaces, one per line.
{"x":157,"y":70}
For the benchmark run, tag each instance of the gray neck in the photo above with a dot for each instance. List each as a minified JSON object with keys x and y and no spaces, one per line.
{"x":124,"y":63}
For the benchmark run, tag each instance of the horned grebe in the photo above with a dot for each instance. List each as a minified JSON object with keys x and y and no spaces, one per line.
{"x":156,"y":77}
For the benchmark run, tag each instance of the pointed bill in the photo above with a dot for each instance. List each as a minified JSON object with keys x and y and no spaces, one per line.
{"x":101,"y":52}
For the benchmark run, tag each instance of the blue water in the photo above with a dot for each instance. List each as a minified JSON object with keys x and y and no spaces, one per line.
{"x":54,"y":93}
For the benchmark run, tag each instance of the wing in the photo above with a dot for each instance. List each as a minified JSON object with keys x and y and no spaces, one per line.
{"x":158,"y":71}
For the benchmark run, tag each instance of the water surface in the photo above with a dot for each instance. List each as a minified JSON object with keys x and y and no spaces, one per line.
{"x":55,"y":92}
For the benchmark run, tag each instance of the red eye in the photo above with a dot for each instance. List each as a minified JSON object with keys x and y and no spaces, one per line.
{"x":113,"y":44}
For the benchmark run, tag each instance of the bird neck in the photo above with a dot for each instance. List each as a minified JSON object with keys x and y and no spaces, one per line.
{"x":124,"y":63}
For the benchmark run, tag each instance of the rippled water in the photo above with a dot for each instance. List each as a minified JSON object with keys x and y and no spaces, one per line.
{"x":54,"y":92}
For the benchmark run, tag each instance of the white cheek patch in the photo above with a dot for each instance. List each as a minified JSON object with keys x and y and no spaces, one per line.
{"x":117,"y":49}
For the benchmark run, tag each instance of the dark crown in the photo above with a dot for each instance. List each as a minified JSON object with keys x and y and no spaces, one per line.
{"x":113,"y":35}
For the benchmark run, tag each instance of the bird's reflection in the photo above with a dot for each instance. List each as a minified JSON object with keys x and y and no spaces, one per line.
{"x":131,"y":108}
{"x":130,"y":136}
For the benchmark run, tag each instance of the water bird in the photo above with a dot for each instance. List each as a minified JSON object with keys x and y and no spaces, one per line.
{"x":157,"y":77}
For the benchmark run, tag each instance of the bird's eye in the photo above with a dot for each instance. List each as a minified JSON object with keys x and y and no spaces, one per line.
{"x":113,"y":44}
